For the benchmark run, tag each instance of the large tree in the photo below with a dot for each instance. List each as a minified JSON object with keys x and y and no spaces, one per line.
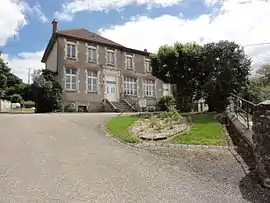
{"x":212,"y":71}
{"x":47,"y":91}
{"x":180,"y":65}
{"x":226,"y":70}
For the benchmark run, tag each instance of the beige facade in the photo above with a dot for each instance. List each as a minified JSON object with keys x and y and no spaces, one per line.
{"x":110,"y":79}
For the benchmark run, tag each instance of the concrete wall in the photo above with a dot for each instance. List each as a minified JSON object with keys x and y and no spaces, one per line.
{"x":51,"y":63}
{"x":5,"y":106}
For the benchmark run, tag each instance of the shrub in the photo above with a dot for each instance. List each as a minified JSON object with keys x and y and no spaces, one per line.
{"x":166,"y":103}
{"x":16,"y":98}
{"x":28,"y":104}
{"x":70,"y":108}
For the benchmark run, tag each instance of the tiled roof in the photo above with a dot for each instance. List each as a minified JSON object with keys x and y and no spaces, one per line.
{"x":89,"y":36}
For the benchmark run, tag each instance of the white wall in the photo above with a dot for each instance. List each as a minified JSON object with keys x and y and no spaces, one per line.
{"x":5,"y":106}
{"x":51,"y":63}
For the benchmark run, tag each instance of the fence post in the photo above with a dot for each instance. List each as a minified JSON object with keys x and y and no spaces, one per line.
{"x":261,"y":140}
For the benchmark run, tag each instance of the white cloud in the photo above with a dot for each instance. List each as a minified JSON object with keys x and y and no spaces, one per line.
{"x":21,"y":63}
{"x":74,"y":6}
{"x":243,"y":21}
{"x":12,"y":18}
{"x":36,"y":11}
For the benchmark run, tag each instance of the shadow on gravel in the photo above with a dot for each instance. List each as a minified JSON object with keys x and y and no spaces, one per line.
{"x":249,"y":185}
{"x":252,"y":191}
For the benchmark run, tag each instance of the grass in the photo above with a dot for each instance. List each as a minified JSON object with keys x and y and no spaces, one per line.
{"x":205,"y":130}
{"x":118,"y":128}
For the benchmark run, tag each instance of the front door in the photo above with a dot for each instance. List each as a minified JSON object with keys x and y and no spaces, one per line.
{"x":111,"y":88}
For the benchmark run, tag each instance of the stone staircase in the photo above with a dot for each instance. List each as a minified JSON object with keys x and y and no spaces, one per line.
{"x":122,"y":106}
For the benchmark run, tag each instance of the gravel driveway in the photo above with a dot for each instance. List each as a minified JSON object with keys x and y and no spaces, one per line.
{"x":68,"y":158}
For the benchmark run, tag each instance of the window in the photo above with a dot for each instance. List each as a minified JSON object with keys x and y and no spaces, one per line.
{"x":71,"y":50}
{"x":148,"y":67}
{"x":92,"y":54}
{"x":92,"y":81}
{"x":110,"y":57}
{"x":130,"y":85}
{"x":71,"y":79}
{"x":129,"y":62}
{"x":149,"y":88}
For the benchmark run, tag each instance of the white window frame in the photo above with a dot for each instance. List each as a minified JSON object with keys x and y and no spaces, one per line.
{"x":93,"y":81}
{"x":113,"y":52}
{"x":130,"y":85}
{"x":148,"y":68}
{"x":71,"y":76}
{"x":132,"y":63}
{"x":70,"y":50}
{"x":149,"y":88}
{"x":88,"y":57}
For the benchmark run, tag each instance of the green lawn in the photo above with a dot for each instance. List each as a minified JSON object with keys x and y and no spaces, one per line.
{"x":118,"y":128}
{"x":205,"y":130}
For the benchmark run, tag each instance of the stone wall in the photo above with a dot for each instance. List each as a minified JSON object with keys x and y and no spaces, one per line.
{"x":261,"y":141}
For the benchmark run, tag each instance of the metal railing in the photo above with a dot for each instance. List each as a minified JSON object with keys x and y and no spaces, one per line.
{"x":243,"y":109}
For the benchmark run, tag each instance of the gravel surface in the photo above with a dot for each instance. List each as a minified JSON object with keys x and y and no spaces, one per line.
{"x":68,"y":158}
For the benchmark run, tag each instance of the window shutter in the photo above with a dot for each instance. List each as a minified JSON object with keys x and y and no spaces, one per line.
{"x":115,"y":57}
{"x":106,"y":55}
{"x":86,"y":52}
{"x":78,"y":80}
{"x":133,"y":62}
{"x":77,"y":50}
{"x":98,"y":82}
{"x":97,"y":52}
{"x":65,"y":49}
{"x":86,"y":81}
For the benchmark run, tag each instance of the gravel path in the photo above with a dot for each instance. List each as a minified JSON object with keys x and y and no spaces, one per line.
{"x":67,"y":158}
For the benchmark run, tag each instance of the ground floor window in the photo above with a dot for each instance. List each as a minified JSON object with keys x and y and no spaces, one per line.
{"x":70,"y":79}
{"x":92,"y":81}
{"x":130,"y":85}
{"x":149,"y":88}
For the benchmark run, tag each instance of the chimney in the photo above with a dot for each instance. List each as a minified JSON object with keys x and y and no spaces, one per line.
{"x":54,"y":26}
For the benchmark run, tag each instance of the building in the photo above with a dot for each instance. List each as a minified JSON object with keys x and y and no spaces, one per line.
{"x":97,"y":72}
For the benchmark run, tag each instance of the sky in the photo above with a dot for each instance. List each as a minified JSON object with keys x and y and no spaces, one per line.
{"x":26,"y":25}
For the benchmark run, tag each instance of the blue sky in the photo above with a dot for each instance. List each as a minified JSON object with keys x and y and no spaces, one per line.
{"x":135,"y":23}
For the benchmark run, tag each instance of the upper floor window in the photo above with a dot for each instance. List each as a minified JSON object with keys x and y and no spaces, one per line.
{"x":92,"y":81}
{"x":71,"y":50}
{"x":129,"y":62}
{"x":130,"y":85}
{"x":92,"y":54}
{"x":148,"y":67}
{"x":71,"y":79}
{"x":149,"y":88}
{"x":110,"y":57}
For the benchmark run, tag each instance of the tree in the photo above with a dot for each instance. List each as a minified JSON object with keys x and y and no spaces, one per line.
{"x":263,"y":74}
{"x":47,"y":91}
{"x":11,"y":78}
{"x":179,"y":65}
{"x":226,"y":69}
{"x":3,"y":84}
{"x":212,"y":71}
{"x":16,"y":98}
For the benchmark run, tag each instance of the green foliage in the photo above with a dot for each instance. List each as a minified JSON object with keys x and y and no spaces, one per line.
{"x":47,"y":91}
{"x":205,"y":130}
{"x":16,"y":98}
{"x":118,"y":128}
{"x":211,"y":71}
{"x":28,"y":104}
{"x":11,"y":78}
{"x":69,"y":108}
{"x":166,"y":103}
{"x":25,"y":90}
